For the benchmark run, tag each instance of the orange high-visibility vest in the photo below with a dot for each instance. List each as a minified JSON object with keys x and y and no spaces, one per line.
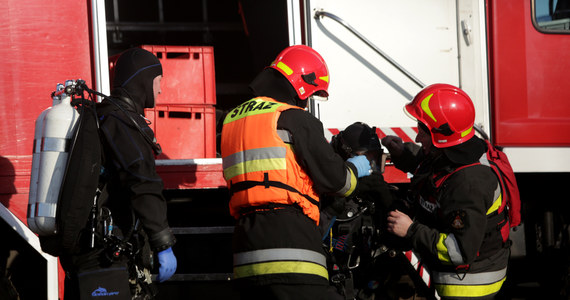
{"x":259,"y":167}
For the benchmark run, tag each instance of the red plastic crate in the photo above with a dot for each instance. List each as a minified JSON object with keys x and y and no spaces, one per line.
{"x":188,"y":74}
{"x":184,"y":131}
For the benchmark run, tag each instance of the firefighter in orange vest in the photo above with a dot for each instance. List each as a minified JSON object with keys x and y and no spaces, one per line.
{"x":276,"y":162}
{"x":456,"y":229}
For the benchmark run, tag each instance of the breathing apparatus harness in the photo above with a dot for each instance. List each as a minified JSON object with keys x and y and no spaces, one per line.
{"x":356,"y":240}
{"x":101,"y":234}
{"x":78,"y":89}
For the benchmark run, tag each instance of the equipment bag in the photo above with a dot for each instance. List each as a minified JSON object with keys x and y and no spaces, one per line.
{"x":500,"y":164}
{"x":105,"y":283}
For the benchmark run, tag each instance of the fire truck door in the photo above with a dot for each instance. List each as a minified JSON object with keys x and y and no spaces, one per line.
{"x":420,"y":36}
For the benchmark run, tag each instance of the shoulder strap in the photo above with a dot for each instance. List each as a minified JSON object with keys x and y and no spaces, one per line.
{"x":439,"y":180}
{"x":155,"y":146}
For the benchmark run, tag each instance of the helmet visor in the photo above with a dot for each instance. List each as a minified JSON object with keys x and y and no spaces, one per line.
{"x":409,"y":111}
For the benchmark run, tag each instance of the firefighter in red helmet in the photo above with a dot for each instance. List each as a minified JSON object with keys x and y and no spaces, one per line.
{"x":276,"y":163}
{"x":456,"y":223}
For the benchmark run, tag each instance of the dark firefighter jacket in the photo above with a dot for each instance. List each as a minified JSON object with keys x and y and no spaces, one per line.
{"x":455,"y":229}
{"x":279,"y":243}
{"x":133,"y":186}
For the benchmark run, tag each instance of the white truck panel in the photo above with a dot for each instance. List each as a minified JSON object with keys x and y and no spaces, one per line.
{"x":421,"y":36}
{"x":539,"y":159}
{"x":473,"y":71}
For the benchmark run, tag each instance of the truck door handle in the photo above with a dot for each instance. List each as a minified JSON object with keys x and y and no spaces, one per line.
{"x":466,"y":29}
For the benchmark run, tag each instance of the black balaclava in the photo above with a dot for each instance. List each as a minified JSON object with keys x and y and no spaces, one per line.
{"x":135,"y":71}
{"x":270,"y":83}
{"x":466,"y":153}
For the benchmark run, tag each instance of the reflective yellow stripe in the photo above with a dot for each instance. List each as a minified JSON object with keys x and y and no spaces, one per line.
{"x":253,"y":154}
{"x":466,"y":132}
{"x":495,"y":205}
{"x":352,"y":186}
{"x":285,"y":68}
{"x":252,"y":107}
{"x":425,"y":107}
{"x":324,"y":78}
{"x":254,"y":166}
{"x":469,"y":290}
{"x":442,"y":254}
{"x":280,"y":267}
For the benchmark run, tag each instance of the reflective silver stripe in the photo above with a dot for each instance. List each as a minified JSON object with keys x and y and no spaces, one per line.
{"x":347,"y":184}
{"x":497,"y":193}
{"x":42,"y":209}
{"x":483,"y":160}
{"x":470,"y":278}
{"x":54,"y":144}
{"x":253,"y":154}
{"x":453,"y":250}
{"x":279,"y":254}
{"x":285,"y":135}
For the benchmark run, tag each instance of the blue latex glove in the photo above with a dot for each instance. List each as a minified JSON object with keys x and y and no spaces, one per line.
{"x":167,"y":262}
{"x":362,"y":165}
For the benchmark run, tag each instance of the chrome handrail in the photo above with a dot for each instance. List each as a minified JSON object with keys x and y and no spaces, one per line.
{"x":322,"y":13}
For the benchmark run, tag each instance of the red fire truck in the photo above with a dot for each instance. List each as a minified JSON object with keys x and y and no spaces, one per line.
{"x":511,"y":57}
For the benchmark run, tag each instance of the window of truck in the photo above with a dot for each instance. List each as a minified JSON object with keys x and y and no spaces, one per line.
{"x":551,"y":16}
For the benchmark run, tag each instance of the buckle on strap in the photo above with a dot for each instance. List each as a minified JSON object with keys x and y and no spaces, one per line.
{"x":266,"y":180}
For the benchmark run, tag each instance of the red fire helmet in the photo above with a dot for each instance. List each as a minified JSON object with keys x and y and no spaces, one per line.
{"x":447,"y":111}
{"x":305,"y":69}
